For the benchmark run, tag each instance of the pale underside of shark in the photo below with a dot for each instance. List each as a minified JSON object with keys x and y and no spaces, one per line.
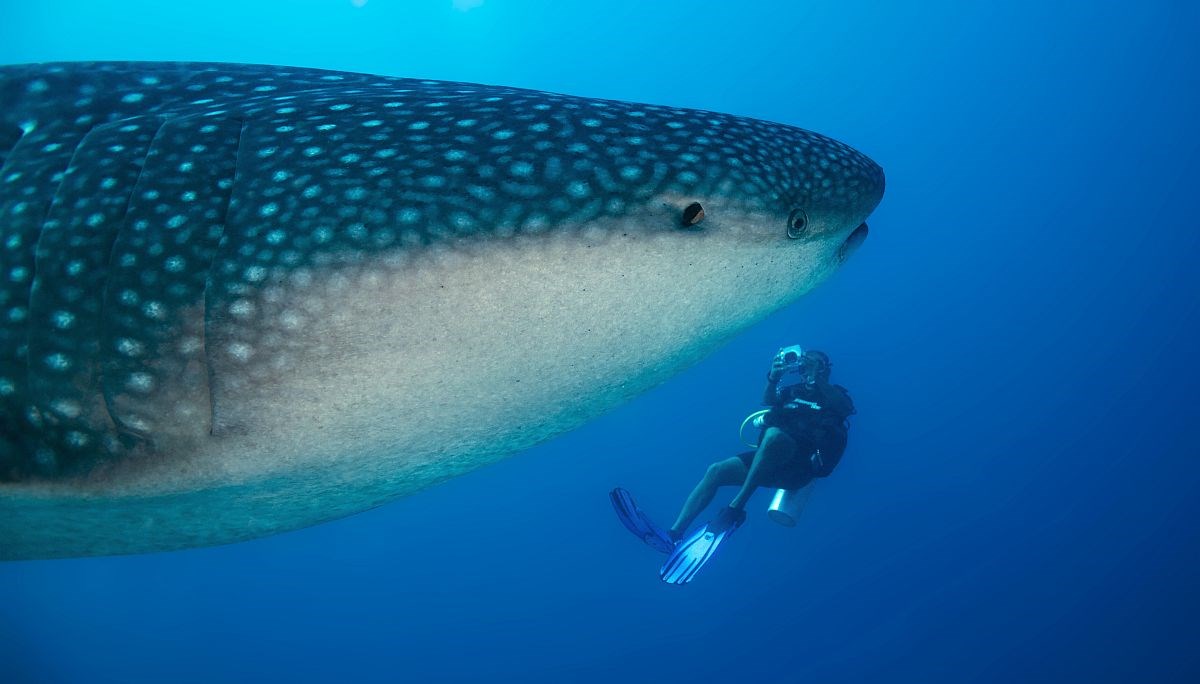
{"x":240,"y":299}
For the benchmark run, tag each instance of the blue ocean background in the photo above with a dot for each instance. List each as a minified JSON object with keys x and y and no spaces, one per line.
{"x":1019,"y":499}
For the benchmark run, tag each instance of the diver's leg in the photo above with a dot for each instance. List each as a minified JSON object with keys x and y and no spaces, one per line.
{"x":775,"y":450}
{"x":731,"y":471}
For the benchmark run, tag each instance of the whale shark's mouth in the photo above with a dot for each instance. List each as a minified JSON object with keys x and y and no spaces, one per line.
{"x":852,"y":243}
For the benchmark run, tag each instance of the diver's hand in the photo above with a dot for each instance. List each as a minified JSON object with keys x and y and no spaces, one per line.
{"x":778,"y":368}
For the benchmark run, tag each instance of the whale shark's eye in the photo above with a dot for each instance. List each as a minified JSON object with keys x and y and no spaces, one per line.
{"x":693,"y":214}
{"x":797,"y":223}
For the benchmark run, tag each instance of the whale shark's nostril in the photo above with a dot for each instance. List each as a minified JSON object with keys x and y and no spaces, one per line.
{"x":856,"y":238}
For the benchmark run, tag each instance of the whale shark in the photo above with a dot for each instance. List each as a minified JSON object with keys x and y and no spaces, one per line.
{"x":242,"y":299}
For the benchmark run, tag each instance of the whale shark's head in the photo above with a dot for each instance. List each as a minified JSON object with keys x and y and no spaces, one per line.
{"x":736,"y":216}
{"x":784,"y":188}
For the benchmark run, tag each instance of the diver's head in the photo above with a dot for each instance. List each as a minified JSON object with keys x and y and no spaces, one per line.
{"x":815,"y":366}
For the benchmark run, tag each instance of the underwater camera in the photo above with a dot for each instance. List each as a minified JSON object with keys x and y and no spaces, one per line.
{"x":791,"y":356}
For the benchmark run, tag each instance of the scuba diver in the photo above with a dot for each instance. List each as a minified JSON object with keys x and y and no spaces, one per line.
{"x":802,"y":436}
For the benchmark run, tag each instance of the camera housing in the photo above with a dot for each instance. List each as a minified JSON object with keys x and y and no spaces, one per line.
{"x":791,"y":356}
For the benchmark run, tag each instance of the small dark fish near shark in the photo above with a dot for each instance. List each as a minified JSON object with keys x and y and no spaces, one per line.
{"x":242,"y":299}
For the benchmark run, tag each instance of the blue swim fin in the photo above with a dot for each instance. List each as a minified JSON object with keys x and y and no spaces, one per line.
{"x":639,"y":523}
{"x":694,"y":552}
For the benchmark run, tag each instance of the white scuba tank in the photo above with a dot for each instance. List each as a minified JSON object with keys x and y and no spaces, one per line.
{"x":788,"y":504}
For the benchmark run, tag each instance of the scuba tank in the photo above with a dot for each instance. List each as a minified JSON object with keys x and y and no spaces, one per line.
{"x":788,"y":504}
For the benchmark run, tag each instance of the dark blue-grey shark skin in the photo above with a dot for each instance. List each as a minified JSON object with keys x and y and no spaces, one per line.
{"x":156,"y":220}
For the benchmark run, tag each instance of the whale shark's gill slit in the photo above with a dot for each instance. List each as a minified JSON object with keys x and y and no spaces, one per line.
{"x":9,"y":135}
{"x":32,"y":173}
{"x":127,"y":432}
{"x":155,"y":300}
{"x":226,"y":213}
{"x":66,"y":296}
{"x":12,"y":456}
{"x":244,"y":343}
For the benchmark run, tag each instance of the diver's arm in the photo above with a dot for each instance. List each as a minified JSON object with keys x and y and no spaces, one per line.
{"x":771,"y":394}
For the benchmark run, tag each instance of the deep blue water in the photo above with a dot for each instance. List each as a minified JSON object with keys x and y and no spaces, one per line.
{"x":1019,"y":499}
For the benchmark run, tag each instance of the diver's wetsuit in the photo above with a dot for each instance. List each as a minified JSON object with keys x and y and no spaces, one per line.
{"x":808,"y":430}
